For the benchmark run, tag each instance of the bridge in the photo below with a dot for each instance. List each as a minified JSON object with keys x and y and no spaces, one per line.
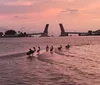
{"x":42,"y":34}
{"x":63,"y":33}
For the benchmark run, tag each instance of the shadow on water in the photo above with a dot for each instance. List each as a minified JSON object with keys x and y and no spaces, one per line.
{"x":13,"y":55}
{"x":31,"y":58}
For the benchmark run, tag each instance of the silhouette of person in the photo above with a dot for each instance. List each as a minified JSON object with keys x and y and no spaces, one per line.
{"x":51,"y":49}
{"x":29,"y":52}
{"x":59,"y":48}
{"x":47,"y":48}
{"x":33,"y":50}
{"x":38,"y":51}
{"x":67,"y":46}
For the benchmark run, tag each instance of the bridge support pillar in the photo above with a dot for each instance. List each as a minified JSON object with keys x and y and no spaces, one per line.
{"x":63,"y":33}
{"x":45,"y":33}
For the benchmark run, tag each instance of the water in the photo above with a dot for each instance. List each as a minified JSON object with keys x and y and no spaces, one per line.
{"x":80,"y":65}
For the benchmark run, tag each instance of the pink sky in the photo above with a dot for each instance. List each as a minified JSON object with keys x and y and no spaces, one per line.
{"x":32,"y":15}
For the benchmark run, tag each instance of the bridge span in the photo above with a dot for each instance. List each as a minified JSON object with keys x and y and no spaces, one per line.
{"x":63,"y":33}
{"x":42,"y":34}
{"x":76,"y":32}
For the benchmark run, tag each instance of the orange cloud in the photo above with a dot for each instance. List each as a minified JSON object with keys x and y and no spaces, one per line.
{"x":52,"y":12}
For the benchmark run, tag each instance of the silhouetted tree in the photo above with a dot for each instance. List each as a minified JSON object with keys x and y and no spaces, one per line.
{"x":90,"y":32}
{"x":10,"y":32}
{"x":97,"y":32}
{"x":1,"y":33}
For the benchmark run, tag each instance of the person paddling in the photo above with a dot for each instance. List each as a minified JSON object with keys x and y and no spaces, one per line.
{"x":47,"y":48}
{"x":59,"y":48}
{"x":51,"y":49}
{"x":67,"y":46}
{"x":33,"y":50}
{"x":38,"y":51}
{"x":29,"y":52}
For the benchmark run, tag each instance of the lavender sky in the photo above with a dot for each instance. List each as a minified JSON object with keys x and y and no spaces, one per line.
{"x":32,"y":15}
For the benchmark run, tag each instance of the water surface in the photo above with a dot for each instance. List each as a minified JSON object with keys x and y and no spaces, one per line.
{"x":80,"y":65}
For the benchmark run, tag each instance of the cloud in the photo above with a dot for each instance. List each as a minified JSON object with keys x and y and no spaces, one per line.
{"x":52,"y":11}
{"x":19,"y":3}
{"x":25,"y":6}
{"x":6,"y":9}
{"x":20,"y":17}
{"x":71,"y":11}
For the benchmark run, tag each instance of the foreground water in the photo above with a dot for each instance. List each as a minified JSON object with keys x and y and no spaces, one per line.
{"x":80,"y":65}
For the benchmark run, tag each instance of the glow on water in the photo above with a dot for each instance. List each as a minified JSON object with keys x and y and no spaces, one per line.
{"x":80,"y":65}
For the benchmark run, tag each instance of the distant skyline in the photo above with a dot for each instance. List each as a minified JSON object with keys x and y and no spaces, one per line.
{"x":33,"y":15}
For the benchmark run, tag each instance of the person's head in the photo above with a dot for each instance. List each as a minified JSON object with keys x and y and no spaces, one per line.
{"x":34,"y":47}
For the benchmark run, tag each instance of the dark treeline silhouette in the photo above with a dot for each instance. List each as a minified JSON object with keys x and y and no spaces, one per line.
{"x":10,"y":32}
{"x":1,"y":34}
{"x":97,"y":32}
{"x":13,"y":33}
{"x":22,"y":34}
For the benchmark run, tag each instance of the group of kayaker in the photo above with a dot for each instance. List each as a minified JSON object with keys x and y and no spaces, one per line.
{"x":48,"y":49}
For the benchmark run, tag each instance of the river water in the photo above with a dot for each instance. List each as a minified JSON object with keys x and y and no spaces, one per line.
{"x":80,"y":65}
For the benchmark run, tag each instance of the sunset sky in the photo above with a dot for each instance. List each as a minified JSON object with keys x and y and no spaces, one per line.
{"x":32,"y":15}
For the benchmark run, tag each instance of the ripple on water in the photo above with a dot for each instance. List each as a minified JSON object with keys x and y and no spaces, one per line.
{"x":69,"y":67}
